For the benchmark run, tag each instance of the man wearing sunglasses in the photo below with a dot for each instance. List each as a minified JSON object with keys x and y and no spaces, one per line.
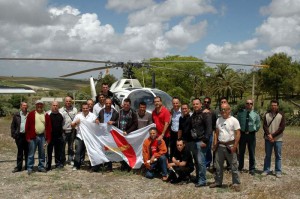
{"x":250,"y":124}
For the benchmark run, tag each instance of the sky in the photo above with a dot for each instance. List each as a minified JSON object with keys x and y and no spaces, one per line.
{"x":234,"y":31}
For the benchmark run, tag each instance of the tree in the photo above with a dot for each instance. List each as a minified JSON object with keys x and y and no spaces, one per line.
{"x":280,"y":76}
{"x":15,"y":100}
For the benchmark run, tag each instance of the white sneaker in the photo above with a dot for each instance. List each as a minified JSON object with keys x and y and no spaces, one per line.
{"x":74,"y":169}
{"x":278,"y":175}
{"x":72,"y":163}
{"x":265,"y":173}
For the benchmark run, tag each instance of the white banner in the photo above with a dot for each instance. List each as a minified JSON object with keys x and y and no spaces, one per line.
{"x":106,"y":143}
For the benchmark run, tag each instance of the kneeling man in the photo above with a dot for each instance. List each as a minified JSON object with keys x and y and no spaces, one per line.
{"x":154,"y":155}
{"x":182,"y":163}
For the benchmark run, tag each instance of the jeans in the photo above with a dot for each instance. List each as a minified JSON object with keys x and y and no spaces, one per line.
{"x":200,"y":163}
{"x":39,"y":143}
{"x":268,"y":150}
{"x":162,"y":163}
{"x":69,"y":139}
{"x":208,"y":156}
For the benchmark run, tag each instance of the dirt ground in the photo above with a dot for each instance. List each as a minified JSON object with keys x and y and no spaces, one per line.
{"x":66,"y":183}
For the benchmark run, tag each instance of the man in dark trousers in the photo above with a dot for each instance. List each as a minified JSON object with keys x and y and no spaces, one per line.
{"x":181,"y":165}
{"x":57,"y":140}
{"x":18,"y":133}
{"x":250,"y":123}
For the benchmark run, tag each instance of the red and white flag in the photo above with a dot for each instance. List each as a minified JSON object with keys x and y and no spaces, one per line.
{"x":106,"y":143}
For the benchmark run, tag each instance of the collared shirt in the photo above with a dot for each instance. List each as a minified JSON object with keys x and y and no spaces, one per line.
{"x":107,"y":115}
{"x":253,"y":121}
{"x":97,"y":108}
{"x":227,"y":127}
{"x":68,"y":115}
{"x":144,"y":120}
{"x":23,"y":122}
{"x":175,"y":120}
{"x":160,"y":119}
{"x":39,"y":122}
{"x":91,"y":117}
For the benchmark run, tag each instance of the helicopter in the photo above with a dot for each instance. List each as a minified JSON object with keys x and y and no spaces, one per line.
{"x":128,"y":88}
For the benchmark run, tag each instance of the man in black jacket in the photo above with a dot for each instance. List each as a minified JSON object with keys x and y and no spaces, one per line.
{"x":18,"y":133}
{"x":201,"y":129}
{"x":108,"y":94}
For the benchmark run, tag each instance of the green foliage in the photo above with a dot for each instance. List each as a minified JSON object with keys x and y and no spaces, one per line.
{"x":293,"y":119}
{"x":15,"y":100}
{"x":180,"y":79}
{"x":280,"y":76}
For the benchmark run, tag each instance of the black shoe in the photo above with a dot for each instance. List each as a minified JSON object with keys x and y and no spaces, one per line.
{"x":43,"y":170}
{"x":30,"y":172}
{"x":16,"y":170}
{"x":252,"y":173}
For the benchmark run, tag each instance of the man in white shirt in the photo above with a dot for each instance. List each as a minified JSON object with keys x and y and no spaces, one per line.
{"x":85,"y":115}
{"x":226,"y":140}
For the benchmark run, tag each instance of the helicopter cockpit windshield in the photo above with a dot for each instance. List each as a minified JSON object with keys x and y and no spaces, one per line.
{"x":147,"y":96}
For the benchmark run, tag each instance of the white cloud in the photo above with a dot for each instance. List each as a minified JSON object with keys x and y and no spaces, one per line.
{"x":128,"y":5}
{"x":168,"y":9}
{"x":282,"y":27}
{"x":65,"y":10}
{"x":186,"y":33}
{"x":282,"y":8}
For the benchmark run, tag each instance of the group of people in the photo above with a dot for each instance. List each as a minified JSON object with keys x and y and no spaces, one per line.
{"x":181,"y":142}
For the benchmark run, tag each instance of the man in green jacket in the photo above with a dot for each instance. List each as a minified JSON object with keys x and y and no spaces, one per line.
{"x":250,"y":123}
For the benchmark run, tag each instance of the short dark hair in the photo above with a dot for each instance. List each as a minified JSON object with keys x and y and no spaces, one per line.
{"x":180,"y":139}
{"x":197,"y":98}
{"x":275,"y":101}
{"x":185,"y":104}
{"x":157,"y":97}
{"x":142,"y":103}
{"x":104,"y":83}
{"x":83,"y":104}
{"x":153,"y":129}
{"x":223,"y":98}
{"x":127,"y":100}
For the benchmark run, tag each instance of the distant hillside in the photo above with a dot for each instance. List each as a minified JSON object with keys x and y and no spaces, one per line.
{"x":51,"y":83}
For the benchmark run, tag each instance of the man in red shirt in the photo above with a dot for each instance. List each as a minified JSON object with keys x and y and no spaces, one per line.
{"x":161,"y":117}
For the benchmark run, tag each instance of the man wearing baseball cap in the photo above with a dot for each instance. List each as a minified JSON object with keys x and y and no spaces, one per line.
{"x":38,"y":132}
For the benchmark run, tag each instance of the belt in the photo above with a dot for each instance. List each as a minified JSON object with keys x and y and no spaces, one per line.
{"x":226,"y":143}
{"x":247,"y":132}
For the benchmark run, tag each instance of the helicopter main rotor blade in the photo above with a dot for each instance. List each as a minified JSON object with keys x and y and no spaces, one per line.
{"x":88,"y":70}
{"x":55,"y":59}
{"x":207,"y":62}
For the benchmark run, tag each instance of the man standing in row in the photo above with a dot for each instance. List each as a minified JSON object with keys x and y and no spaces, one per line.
{"x":175,"y":115}
{"x":201,"y":128}
{"x":85,"y":115}
{"x":274,"y":125}
{"x":144,"y":118}
{"x":225,"y":144}
{"x":99,"y":104}
{"x":68,"y":112}
{"x":57,"y":140}
{"x":161,"y":117}
{"x":38,"y":132}
{"x":250,"y":123}
{"x":18,"y":133}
